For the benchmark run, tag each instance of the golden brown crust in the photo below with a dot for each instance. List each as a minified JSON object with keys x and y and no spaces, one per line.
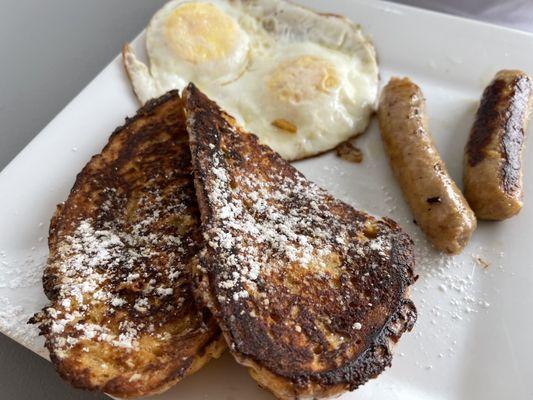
{"x":493,"y":154}
{"x":122,"y":317}
{"x":309,"y":293}
{"x":436,"y":202}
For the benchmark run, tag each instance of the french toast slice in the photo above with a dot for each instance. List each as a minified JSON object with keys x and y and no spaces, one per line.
{"x":310,"y":293}
{"x":122,"y":318}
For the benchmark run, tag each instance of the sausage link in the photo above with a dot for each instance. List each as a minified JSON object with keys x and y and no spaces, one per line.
{"x":493,"y":154}
{"x":438,"y":206}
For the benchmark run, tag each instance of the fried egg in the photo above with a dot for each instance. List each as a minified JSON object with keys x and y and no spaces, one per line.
{"x":302,"y":82}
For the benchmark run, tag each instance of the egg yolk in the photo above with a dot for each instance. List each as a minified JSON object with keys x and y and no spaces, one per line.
{"x":200,"y":32}
{"x":302,"y":79}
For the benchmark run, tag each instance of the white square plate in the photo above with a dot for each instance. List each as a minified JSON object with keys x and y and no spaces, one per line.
{"x":472,"y":337}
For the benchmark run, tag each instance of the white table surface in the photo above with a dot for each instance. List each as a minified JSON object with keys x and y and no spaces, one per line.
{"x":49,"y":51}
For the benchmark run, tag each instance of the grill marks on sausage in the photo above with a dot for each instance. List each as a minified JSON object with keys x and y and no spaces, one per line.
{"x":487,"y":119}
{"x":502,"y":110}
{"x":513,"y":136}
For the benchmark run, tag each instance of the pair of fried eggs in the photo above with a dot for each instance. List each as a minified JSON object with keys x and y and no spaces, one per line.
{"x":302,"y":82}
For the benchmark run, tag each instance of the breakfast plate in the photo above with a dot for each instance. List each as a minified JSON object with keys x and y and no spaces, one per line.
{"x":471,"y":338}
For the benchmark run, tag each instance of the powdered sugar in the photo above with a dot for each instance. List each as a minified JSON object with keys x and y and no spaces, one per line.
{"x":16,"y":273}
{"x":13,"y":320}
{"x":115,"y":265}
{"x":254,"y":230}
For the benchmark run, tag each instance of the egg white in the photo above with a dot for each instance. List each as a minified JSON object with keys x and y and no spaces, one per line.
{"x":321,"y":121}
{"x":177,"y":60}
{"x":271,"y":37}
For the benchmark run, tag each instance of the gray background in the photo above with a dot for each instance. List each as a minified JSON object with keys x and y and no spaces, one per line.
{"x":49,"y":51}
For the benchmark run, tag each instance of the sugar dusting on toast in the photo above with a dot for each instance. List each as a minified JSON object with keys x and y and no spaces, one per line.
{"x":106,"y":263}
{"x":252,"y":215}
{"x":122,"y":317}
{"x":309,"y":292}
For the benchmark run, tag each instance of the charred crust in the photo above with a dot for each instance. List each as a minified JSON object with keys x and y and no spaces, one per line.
{"x":56,"y":223}
{"x":378,"y":356}
{"x":500,"y":117}
{"x":252,"y":339}
{"x":149,"y":145}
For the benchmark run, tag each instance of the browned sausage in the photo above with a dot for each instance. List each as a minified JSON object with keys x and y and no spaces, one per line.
{"x":493,"y":154}
{"x":438,"y":206}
